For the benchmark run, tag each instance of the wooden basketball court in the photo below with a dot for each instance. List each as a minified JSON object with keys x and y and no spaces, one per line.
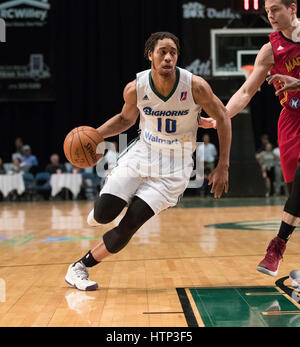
{"x":193,"y":265}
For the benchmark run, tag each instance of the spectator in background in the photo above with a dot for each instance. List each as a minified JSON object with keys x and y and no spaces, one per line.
{"x":54,"y":166}
{"x":278,"y":180}
{"x":18,"y":165}
{"x":29,"y":159}
{"x":18,"y":145}
{"x":2,"y":169}
{"x":267,"y":160}
{"x":264,"y":140}
{"x":17,"y":153}
{"x":210,"y":153}
{"x":77,"y":170}
{"x":69,"y":168}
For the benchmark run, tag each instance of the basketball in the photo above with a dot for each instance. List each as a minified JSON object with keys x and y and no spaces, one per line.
{"x":80,"y":146}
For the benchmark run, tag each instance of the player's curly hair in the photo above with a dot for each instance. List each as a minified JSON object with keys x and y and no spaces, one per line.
{"x":152,"y":40}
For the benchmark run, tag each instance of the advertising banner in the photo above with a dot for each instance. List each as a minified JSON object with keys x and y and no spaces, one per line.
{"x":26,"y":59}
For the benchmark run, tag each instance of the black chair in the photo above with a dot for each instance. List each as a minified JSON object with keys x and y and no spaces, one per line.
{"x":90,"y":185}
{"x":42,"y":184}
{"x":30,"y":186}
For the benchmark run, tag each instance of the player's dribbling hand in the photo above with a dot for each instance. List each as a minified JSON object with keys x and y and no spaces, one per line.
{"x":219,"y":181}
{"x":207,"y":123}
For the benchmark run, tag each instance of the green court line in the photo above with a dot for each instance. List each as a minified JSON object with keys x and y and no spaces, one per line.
{"x":19,"y":240}
{"x":249,"y":225}
{"x":229,"y":202}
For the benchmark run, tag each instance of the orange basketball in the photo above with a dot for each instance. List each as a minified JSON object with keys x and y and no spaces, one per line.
{"x":80,"y":146}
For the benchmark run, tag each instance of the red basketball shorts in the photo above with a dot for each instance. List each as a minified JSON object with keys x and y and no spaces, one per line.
{"x":289,"y":142}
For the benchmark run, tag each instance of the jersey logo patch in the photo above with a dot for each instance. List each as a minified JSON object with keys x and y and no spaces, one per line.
{"x":295,"y":103}
{"x":145,"y":97}
{"x":183,"y":96}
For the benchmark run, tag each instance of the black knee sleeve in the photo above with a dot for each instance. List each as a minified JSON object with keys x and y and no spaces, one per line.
{"x":107,"y":207}
{"x":292,"y":205}
{"x":137,"y":214}
{"x":117,"y":238}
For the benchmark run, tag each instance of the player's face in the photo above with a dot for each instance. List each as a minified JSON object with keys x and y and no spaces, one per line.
{"x":164,"y":57}
{"x":279,"y":15}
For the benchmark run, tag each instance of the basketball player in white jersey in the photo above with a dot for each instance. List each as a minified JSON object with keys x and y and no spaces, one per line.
{"x":156,"y":170}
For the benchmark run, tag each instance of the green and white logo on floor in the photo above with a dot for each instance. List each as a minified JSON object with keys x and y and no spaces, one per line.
{"x":268,"y":306}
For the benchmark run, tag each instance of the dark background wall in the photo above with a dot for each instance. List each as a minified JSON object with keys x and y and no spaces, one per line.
{"x":97,"y":48}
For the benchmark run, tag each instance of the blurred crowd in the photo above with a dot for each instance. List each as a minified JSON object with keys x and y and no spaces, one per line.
{"x":24,"y":162}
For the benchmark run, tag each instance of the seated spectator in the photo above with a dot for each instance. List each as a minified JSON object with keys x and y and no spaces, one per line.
{"x":69,"y":168}
{"x":18,"y":165}
{"x":279,"y":184}
{"x":210,"y":153}
{"x":29,"y":159}
{"x":77,"y":170}
{"x":267,"y":159}
{"x":55,"y":166}
{"x":2,"y":169}
{"x":264,"y":140}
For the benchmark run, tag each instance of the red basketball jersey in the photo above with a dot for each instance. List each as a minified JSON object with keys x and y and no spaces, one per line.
{"x":287,"y":62}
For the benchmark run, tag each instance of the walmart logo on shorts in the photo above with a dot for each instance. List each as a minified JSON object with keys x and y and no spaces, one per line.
{"x":149,"y":112}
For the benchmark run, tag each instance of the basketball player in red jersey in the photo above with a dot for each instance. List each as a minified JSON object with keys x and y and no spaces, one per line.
{"x":280,"y":56}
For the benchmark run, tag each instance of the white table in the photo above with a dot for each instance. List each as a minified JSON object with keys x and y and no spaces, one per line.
{"x":70,"y":181}
{"x":8,"y":183}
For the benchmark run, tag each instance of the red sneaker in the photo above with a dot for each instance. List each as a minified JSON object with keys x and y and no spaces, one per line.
{"x":270,"y":264}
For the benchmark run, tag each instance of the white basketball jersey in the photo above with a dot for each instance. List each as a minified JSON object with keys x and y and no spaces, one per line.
{"x":167,"y":121}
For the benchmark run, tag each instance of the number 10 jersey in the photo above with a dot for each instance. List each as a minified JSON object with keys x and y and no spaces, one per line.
{"x":172,"y":121}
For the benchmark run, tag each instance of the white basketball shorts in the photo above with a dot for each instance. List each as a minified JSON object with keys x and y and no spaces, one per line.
{"x":153,"y":175}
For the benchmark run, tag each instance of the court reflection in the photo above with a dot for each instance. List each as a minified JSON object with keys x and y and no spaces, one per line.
{"x":66,"y":219}
{"x":149,"y":233}
{"x":83,"y":304}
{"x":12,"y":220}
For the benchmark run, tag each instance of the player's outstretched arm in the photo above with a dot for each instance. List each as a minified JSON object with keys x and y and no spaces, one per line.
{"x":288,"y":83}
{"x":128,"y":116}
{"x":212,"y":105}
{"x":263,"y":63}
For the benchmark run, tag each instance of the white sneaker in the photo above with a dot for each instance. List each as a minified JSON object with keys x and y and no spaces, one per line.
{"x":91,"y":220}
{"x":78,"y":277}
{"x":295,"y":278}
